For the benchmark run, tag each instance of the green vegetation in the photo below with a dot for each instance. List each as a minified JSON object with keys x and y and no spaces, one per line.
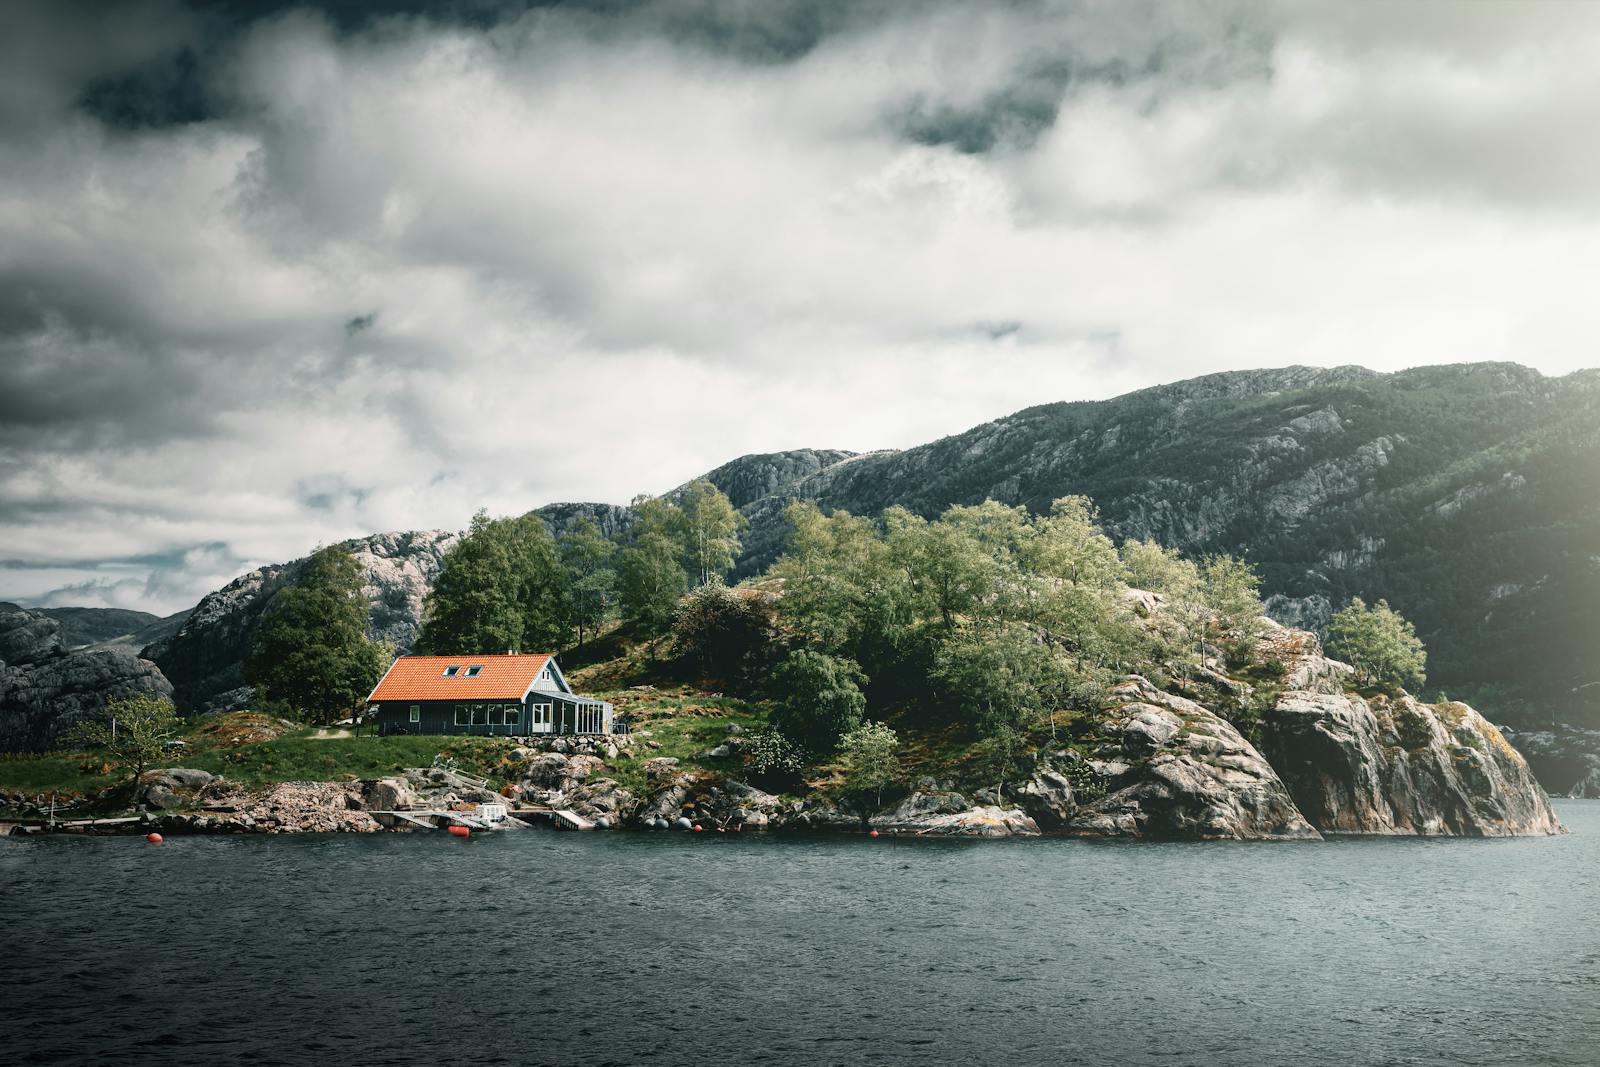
{"x":586,"y":555}
{"x":821,"y":699}
{"x":503,"y":586}
{"x":1379,"y":643}
{"x":871,"y":758}
{"x":724,"y":636}
{"x":311,"y":657}
{"x":131,"y":733}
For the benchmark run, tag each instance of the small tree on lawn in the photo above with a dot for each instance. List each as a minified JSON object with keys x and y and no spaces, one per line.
{"x":871,"y":760}
{"x":1380,"y":643}
{"x":132,"y":731}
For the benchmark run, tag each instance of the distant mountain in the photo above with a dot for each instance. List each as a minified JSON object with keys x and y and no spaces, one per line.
{"x":90,"y":626}
{"x":1467,"y":495}
{"x":135,"y":640}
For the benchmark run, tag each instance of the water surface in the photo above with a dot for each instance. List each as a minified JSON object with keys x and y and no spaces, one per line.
{"x":556,"y":948}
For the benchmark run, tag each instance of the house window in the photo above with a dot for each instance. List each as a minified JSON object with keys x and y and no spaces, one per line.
{"x":472,"y":672}
{"x":416,"y":713}
{"x":589,"y":718}
{"x":513,"y":715}
{"x":539,"y":714}
{"x":451,"y":672}
{"x":463,"y":715}
{"x":480,"y":715}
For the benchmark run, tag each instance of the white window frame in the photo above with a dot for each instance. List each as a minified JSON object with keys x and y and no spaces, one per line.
{"x":416,"y":713}
{"x":511,"y":715}
{"x":463,"y":714}
{"x":472,"y":672}
{"x":451,"y":672}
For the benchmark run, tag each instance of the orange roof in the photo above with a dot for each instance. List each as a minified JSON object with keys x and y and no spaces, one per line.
{"x":423,"y":678}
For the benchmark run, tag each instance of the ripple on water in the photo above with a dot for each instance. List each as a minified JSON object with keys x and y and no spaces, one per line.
{"x":622,"y":949}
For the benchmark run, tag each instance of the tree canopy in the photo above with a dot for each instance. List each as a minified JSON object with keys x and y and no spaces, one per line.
{"x":311,"y":651}
{"x":132,"y":731}
{"x":1379,"y":643}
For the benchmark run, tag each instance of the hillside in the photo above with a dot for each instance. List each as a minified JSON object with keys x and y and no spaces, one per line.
{"x":1467,"y":495}
{"x":93,"y":626}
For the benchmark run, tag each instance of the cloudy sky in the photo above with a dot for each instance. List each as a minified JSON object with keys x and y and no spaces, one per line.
{"x":272,"y":275}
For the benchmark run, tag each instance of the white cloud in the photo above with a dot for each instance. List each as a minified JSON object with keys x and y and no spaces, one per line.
{"x":587,"y":261}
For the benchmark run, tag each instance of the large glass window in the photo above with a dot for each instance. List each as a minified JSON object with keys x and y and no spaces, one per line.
{"x":539,"y":714}
{"x":480,"y":715}
{"x":463,"y":715}
{"x":513,"y":714}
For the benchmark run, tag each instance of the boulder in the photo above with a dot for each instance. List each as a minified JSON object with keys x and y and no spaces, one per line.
{"x":184,"y":777}
{"x":390,"y":794}
{"x":1048,"y":798}
{"x":988,"y":821}
{"x":1392,"y":765}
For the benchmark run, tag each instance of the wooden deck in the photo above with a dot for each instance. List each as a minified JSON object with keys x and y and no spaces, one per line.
{"x":516,"y":819}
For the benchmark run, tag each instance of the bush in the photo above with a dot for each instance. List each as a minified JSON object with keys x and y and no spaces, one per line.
{"x":819,"y":697}
{"x":724,"y":635}
{"x":774,"y":761}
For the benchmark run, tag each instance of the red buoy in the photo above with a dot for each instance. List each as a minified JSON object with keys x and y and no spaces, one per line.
{"x":458,"y":831}
{"x":154,"y":839}
{"x":698,"y":827}
{"x":872,"y":833}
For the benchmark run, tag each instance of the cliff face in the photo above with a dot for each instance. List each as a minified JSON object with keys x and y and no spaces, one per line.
{"x":1168,"y":768}
{"x":1380,"y":764}
{"x":44,"y":689}
{"x":205,"y":659}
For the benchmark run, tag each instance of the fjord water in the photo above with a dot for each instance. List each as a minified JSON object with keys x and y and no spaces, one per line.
{"x":553,"y":948}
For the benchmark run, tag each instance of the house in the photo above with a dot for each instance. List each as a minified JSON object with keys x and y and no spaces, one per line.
{"x":509,"y":695}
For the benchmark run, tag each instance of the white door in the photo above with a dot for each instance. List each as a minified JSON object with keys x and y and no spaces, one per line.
{"x":539,"y":719}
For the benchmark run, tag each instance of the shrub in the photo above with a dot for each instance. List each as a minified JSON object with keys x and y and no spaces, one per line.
{"x":820,"y":698}
{"x":724,"y":635}
{"x":1379,"y":643}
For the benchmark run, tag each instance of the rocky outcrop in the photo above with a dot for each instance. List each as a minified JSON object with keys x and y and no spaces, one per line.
{"x":1392,"y":765}
{"x":1170,"y":768}
{"x":205,"y":659}
{"x":44,"y":690}
{"x":952,"y":815}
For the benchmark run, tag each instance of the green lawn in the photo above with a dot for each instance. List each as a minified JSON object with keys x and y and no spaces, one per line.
{"x":296,"y":757}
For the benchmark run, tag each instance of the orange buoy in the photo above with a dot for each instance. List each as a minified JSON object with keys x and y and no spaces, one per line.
{"x":722,"y":829}
{"x":872,"y":833}
{"x":154,"y":839}
{"x":458,"y":831}
{"x":698,"y":827}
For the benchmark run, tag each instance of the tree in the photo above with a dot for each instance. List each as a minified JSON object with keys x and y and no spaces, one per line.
{"x":724,"y":634}
{"x":709,"y":529}
{"x":951,"y":572}
{"x":1004,"y":750}
{"x":311,"y":650}
{"x":649,"y":579}
{"x":586,"y":554}
{"x":1003,"y":676}
{"x":820,"y":698}
{"x":133,"y":731}
{"x":1229,"y":590}
{"x":871,"y":759}
{"x":472,"y":606}
{"x":1380,"y":643}
{"x":502,"y":587}
{"x":536,"y":582}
